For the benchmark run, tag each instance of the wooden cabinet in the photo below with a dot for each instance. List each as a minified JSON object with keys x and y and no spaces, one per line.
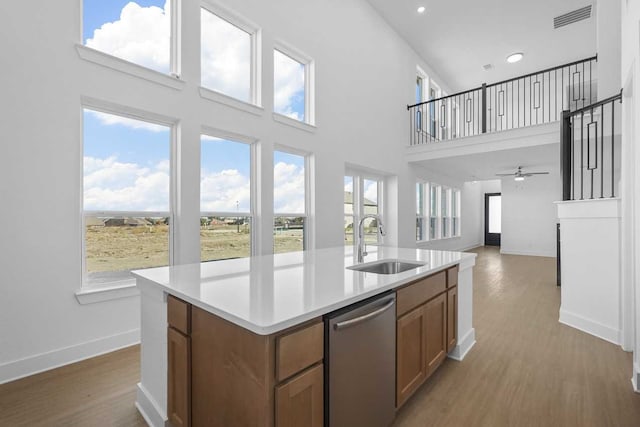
{"x":452,"y":318}
{"x":178,"y":379}
{"x":300,"y":401}
{"x":411,"y":366}
{"x":435,"y":313}
{"x":427,"y":332}
{"x":220,"y":374}
{"x":178,"y":362}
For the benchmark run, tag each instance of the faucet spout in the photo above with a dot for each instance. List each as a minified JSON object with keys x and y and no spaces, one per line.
{"x":362,"y":246}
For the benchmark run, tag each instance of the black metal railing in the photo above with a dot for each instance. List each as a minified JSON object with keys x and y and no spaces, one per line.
{"x":590,"y":150}
{"x":527,"y":100}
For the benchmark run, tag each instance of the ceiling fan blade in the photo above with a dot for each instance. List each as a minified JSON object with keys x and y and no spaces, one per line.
{"x":505,"y":174}
{"x":537,"y":173}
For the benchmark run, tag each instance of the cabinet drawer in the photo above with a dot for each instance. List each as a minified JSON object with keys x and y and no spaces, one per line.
{"x":452,"y":277}
{"x":179,"y":314}
{"x":299,"y":350}
{"x":420,"y":292}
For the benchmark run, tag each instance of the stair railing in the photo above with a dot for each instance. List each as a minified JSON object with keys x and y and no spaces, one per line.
{"x":528,"y":100}
{"x":590,"y":150}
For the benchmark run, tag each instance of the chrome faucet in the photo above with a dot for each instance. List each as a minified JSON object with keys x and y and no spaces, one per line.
{"x":362,"y":246}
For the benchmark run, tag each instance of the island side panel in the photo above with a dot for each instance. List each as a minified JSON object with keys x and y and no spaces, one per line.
{"x":232,"y":374}
{"x":466,"y":332}
{"x":151,"y":399}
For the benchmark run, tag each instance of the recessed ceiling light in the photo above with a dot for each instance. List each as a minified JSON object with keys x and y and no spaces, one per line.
{"x":421,"y":9}
{"x":515,"y":57}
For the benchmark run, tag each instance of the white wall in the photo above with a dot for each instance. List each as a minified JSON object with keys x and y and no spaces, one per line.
{"x":608,"y":47}
{"x":630,"y":75}
{"x":365,"y":75}
{"x":529,"y":215}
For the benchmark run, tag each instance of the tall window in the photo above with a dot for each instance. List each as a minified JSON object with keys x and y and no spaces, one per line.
{"x":421,"y":210}
{"x":438,"y":210}
{"x":455,"y":213}
{"x":349,"y":212}
{"x":289,"y":202}
{"x":291,"y":86}
{"x":226,"y":51}
{"x":433,"y":211}
{"x":225,"y":199}
{"x":445,"y":211}
{"x":126,"y":196}
{"x":138,"y":31}
{"x":363,"y":196}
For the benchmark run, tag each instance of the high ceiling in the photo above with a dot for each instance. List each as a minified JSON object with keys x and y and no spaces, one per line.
{"x":458,"y":37}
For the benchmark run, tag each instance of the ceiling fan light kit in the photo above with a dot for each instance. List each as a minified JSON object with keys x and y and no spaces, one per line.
{"x":520,"y":175}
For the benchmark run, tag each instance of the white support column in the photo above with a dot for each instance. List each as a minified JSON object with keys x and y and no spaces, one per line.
{"x":151,"y":399}
{"x":590,"y":266}
{"x":466,"y":332}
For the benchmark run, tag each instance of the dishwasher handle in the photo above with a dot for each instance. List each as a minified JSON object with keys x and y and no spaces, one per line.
{"x":363,"y":318}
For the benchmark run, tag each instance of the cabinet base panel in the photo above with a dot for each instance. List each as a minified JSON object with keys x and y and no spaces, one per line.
{"x":464,"y":345}
{"x":148,"y":408}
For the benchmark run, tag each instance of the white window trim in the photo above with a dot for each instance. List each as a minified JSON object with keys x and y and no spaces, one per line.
{"x":425,"y":210}
{"x":254,"y":184}
{"x":359,"y":176}
{"x":452,"y":192}
{"x":309,"y":196}
{"x":255,"y":80}
{"x":138,"y":70}
{"x":130,"y":68}
{"x":118,"y":289}
{"x":230,"y":101}
{"x":309,"y":81}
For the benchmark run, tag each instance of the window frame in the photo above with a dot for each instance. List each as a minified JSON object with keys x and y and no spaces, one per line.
{"x":307,"y":234}
{"x":135,"y":114}
{"x":359,"y":176}
{"x":443,"y":221}
{"x":309,"y":82}
{"x":254,"y":229}
{"x":255,"y":34}
{"x":121,"y":64}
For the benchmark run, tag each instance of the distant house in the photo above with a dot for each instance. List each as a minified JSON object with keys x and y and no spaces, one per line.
{"x":370,"y":207}
{"x":126,"y":221}
{"x":93,"y":221}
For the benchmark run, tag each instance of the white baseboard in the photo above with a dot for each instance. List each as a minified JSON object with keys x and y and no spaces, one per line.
{"x":635,"y":380}
{"x":149,"y":408}
{"x":590,"y":326}
{"x":464,"y":346}
{"x":31,"y":365}
{"x":551,"y":254}
{"x":468,"y":248}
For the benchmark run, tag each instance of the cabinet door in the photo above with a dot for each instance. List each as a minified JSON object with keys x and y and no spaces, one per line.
{"x":179,"y":379}
{"x":436,"y":331}
{"x":299,"y":402}
{"x":411,"y":357}
{"x":452,"y":318}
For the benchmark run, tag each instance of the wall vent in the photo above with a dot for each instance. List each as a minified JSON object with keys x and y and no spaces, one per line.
{"x":487,"y":67}
{"x":572,"y":17}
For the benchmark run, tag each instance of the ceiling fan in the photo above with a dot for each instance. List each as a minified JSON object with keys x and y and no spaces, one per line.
{"x":520,"y":175}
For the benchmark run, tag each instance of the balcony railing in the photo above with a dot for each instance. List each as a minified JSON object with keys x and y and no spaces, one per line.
{"x":590,"y":152}
{"x":528,"y":100}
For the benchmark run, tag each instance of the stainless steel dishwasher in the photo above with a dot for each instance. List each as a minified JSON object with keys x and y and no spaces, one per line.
{"x":360,"y":358}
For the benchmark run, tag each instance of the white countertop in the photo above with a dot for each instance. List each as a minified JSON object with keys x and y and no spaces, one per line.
{"x":269,"y":293}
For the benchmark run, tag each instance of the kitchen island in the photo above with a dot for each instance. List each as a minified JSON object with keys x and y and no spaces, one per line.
{"x":277,"y":300}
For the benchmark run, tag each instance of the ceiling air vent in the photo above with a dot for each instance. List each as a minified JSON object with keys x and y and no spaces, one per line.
{"x":572,"y":17}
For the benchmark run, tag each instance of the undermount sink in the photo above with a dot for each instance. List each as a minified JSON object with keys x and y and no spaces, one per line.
{"x":387,"y":266}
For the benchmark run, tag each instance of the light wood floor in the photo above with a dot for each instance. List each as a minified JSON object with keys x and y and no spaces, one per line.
{"x":525,"y":370}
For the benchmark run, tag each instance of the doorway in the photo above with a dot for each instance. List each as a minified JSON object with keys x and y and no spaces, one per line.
{"x":492,"y":218}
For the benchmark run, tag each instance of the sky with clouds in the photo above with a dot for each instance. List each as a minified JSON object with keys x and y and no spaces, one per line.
{"x":140,"y":31}
{"x":126,"y":161}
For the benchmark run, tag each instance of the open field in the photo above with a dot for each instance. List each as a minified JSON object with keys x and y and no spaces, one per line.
{"x":123,"y":248}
